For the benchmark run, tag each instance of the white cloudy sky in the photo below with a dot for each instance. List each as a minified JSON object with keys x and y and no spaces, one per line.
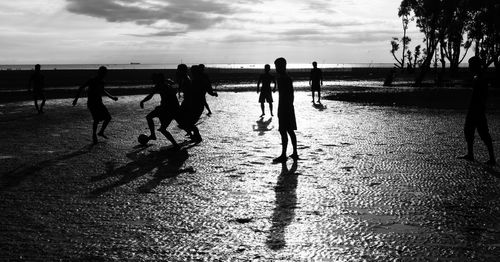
{"x":212,"y":31}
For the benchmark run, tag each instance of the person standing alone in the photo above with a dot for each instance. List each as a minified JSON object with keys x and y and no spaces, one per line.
{"x":316,"y":81}
{"x":265,"y":92}
{"x":286,"y":111}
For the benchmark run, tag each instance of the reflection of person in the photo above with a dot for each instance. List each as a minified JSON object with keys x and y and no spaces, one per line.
{"x":207,"y":87}
{"x":94,"y":102}
{"x":286,"y":111}
{"x":476,"y":115}
{"x":37,"y":82}
{"x":166,"y":111}
{"x":265,"y":93}
{"x":316,"y":81}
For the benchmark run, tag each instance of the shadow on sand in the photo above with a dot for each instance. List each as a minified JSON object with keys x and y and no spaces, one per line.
{"x":15,"y":177}
{"x":286,"y":203}
{"x":319,"y":106}
{"x":165,"y":163}
{"x":263,"y":126}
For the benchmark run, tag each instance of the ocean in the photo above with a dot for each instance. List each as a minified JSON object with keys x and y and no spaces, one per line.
{"x":174,"y":65}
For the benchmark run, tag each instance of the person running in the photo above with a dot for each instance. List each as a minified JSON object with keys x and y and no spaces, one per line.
{"x":37,"y":83}
{"x":166,"y":111}
{"x":476,"y":114}
{"x":94,"y":102}
{"x":286,"y":111}
{"x":192,"y":105}
{"x":316,"y":81}
{"x":207,"y":87}
{"x":265,"y":93}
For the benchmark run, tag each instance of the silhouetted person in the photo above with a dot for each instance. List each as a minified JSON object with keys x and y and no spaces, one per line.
{"x":316,"y":81}
{"x":476,"y":115}
{"x":286,"y":111}
{"x":166,"y":111}
{"x":94,"y":102}
{"x":37,"y":83}
{"x":192,"y":106}
{"x":207,"y":87}
{"x":265,"y":93}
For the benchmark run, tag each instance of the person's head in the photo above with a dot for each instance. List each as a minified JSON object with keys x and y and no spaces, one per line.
{"x":37,"y":67}
{"x":267,"y":68}
{"x":475,"y":64}
{"x":201,"y":67}
{"x":195,"y":70}
{"x":315,"y":65}
{"x":101,"y":73}
{"x":181,"y":72}
{"x":280,"y":65}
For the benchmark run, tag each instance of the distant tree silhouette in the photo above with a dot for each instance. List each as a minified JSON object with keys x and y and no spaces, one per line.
{"x":405,"y":41}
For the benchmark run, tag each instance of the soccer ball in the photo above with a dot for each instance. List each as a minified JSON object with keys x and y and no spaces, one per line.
{"x":143,"y":139}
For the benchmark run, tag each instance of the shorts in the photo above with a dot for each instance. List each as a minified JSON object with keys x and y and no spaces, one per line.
{"x":166,"y":116}
{"x":265,"y":97}
{"x":99,"y":112}
{"x":286,"y":119}
{"x":315,"y":87}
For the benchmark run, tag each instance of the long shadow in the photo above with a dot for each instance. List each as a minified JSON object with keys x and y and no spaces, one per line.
{"x":286,"y":203}
{"x":15,"y":177}
{"x":167,"y":163}
{"x":263,"y":126}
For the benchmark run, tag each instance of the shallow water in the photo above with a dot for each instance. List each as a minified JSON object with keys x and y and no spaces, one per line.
{"x":374,"y":183}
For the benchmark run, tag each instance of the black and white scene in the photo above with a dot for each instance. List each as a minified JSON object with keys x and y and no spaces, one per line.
{"x":249,"y":130}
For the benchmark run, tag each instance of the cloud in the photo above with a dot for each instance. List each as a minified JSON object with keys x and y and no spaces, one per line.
{"x":189,"y":15}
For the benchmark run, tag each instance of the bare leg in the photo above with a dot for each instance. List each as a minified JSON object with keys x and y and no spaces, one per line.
{"x":293,"y":139}
{"x":103,"y":127}
{"x":94,"y":130}
{"x":284,"y":144}
{"x":151,"y":125}
{"x":313,"y":96}
{"x":271,"y":108}
{"x":36,"y":105}
{"x":262,"y":108}
{"x":319,"y":96}
{"x":169,"y":137}
{"x":208,"y":108}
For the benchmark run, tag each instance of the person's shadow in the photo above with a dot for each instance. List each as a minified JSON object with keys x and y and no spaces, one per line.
{"x":319,"y":106}
{"x":167,"y":163}
{"x":15,"y":177}
{"x":263,"y":126}
{"x":286,"y":203}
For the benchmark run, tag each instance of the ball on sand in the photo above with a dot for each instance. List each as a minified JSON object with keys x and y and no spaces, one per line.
{"x":143,"y":139}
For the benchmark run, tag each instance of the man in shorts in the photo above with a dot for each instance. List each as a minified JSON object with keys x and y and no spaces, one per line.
{"x":316,"y":81}
{"x":286,"y":111}
{"x":37,"y":82}
{"x":94,"y":102}
{"x":265,"y":93}
{"x":166,"y":111}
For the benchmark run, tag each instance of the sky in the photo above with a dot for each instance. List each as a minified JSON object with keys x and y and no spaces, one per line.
{"x":198,"y":31}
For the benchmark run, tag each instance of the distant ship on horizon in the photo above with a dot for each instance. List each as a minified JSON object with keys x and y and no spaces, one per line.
{"x":135,"y":63}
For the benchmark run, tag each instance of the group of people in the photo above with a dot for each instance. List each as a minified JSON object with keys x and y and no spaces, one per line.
{"x":194,"y":87}
{"x":196,"y":84}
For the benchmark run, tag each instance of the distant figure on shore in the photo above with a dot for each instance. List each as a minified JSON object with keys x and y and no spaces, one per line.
{"x":192,"y":106}
{"x":94,"y":102}
{"x":166,"y":111}
{"x":476,"y":115}
{"x":37,"y":83}
{"x":286,"y":111}
{"x":265,"y":93}
{"x":316,"y":81}
{"x":207,"y":87}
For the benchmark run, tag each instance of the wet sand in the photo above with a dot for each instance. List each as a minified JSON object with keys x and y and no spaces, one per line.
{"x":373,"y":183}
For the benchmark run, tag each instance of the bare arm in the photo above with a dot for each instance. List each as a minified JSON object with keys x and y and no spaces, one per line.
{"x":109,"y":95}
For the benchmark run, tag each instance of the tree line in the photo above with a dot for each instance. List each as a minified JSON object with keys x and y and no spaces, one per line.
{"x":450,"y":29}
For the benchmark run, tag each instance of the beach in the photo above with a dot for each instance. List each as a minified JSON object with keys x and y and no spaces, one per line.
{"x":374,"y":183}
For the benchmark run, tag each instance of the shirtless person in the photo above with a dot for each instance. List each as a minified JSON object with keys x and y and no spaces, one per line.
{"x":265,"y":93}
{"x":94,"y":102}
{"x":37,"y":82}
{"x":166,"y":111}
